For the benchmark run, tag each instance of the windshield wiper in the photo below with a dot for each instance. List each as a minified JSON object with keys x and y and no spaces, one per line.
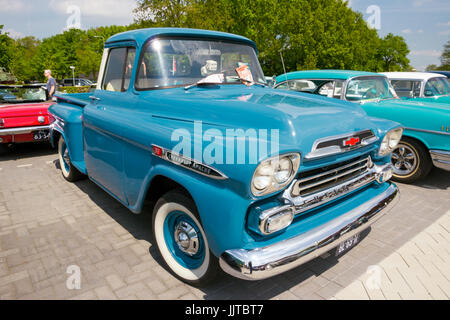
{"x":251,"y":82}
{"x":214,"y":79}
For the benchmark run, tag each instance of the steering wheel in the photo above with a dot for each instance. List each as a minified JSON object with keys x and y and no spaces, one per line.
{"x":370,"y":94}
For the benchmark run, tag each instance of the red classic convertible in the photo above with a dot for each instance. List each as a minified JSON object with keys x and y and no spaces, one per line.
{"x":23,"y":114}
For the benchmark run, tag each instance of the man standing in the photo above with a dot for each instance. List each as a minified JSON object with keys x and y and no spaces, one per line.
{"x":51,"y":84}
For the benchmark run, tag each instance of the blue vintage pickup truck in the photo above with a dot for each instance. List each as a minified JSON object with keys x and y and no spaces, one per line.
{"x":242,"y":177}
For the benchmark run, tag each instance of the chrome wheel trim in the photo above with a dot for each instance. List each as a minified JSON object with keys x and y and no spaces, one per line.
{"x":404,"y":160}
{"x":186,"y":238}
{"x":66,"y":157}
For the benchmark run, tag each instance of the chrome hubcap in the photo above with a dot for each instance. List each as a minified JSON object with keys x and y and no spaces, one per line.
{"x":187,"y":238}
{"x":66,"y":157}
{"x":404,"y":160}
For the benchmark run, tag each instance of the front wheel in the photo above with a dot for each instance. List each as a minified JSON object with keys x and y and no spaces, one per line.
{"x":411,"y":161}
{"x":69,"y":172}
{"x":181,"y":240}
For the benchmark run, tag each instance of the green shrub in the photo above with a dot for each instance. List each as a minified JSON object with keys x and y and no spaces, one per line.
{"x":75,"y":89}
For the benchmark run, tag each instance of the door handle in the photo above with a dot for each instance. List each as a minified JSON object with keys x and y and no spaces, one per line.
{"x":93,"y":98}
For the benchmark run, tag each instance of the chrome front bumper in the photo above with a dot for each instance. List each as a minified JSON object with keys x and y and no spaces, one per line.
{"x":263,"y":263}
{"x":441,"y":159}
{"x":24,"y":130}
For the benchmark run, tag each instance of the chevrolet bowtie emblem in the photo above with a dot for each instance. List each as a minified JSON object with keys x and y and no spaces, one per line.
{"x":351,"y":142}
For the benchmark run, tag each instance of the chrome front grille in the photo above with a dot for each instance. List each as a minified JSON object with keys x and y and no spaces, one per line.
{"x":316,"y":181}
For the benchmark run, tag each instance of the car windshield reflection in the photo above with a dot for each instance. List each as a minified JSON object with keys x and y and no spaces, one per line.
{"x":183,"y":62}
{"x":369,"y":88}
{"x":21,"y":94}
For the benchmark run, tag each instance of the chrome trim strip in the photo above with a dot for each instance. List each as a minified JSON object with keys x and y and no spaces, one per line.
{"x":441,"y":159}
{"x":429,"y":131}
{"x":333,"y":150}
{"x":335,"y":170}
{"x":341,"y":175}
{"x":266,"y":262}
{"x":24,"y":130}
{"x":165,"y":152}
{"x":303,"y":204}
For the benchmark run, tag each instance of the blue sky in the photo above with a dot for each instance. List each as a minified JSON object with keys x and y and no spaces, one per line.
{"x":425,"y":24}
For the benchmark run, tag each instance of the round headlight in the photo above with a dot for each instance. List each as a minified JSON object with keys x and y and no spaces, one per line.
{"x":274,"y":174}
{"x":390,"y":141}
{"x":283,"y":170}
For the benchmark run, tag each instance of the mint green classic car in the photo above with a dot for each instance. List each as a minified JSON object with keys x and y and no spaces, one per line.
{"x":426,"y":139}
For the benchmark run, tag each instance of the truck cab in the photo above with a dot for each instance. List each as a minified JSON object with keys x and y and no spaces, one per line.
{"x":243,"y":178}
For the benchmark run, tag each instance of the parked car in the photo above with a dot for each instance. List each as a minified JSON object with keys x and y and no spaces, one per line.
{"x":6,"y":77}
{"x":23,"y":115}
{"x":77,"y":82}
{"x":426,"y":139}
{"x":257,"y":213}
{"x":420,"y":86}
{"x":445,"y":73}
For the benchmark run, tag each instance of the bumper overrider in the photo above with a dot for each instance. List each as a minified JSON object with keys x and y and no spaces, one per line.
{"x":266,"y":262}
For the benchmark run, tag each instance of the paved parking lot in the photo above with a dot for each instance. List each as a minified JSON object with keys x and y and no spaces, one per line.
{"x":49,"y":227}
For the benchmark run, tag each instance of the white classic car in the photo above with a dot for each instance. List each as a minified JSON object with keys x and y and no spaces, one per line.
{"x":419,"y":85}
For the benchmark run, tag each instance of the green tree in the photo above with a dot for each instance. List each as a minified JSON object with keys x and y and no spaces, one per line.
{"x":445,"y":58}
{"x":311,"y":34}
{"x":24,"y":51}
{"x":163,"y":13}
{"x":6,"y":50}
{"x":393,"y":51}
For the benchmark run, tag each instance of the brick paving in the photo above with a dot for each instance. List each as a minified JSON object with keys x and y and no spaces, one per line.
{"x":48,"y":225}
{"x":417,"y":270}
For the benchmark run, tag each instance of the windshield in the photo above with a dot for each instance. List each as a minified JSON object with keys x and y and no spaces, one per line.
{"x":10,"y":94}
{"x":437,"y":87}
{"x":181,"y":62}
{"x":369,"y":88}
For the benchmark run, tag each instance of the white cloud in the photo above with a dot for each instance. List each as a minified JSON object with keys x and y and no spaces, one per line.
{"x":407,"y":31}
{"x":420,"y":31}
{"x":99,"y":8}
{"x":427,"y":53}
{"x":444,"y":33}
{"x":11,"y":5}
{"x":420,"y":3}
{"x":444,"y":24}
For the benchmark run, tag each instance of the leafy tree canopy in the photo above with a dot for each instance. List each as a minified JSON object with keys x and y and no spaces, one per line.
{"x":311,"y":34}
{"x":6,"y":50}
{"x":445,"y":60}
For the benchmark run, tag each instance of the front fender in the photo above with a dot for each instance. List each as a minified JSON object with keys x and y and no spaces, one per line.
{"x":222,"y":211}
{"x":69,"y":124}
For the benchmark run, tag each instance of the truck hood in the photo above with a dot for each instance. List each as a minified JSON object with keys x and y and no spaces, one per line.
{"x":24,"y":110}
{"x":300,"y":118}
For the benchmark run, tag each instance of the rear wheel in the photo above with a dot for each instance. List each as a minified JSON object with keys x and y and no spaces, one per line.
{"x":4,"y":148}
{"x":69,"y":172}
{"x":181,"y":240}
{"x":411,"y":161}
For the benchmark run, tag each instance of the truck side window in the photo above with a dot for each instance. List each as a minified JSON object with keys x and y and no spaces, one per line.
{"x":119,"y":69}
